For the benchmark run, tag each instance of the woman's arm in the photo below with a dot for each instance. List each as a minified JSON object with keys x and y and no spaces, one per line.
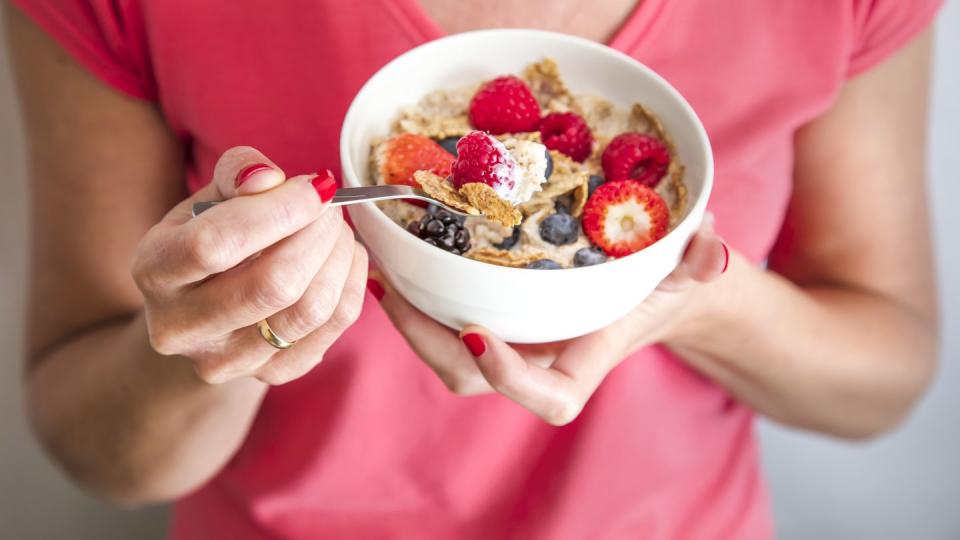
{"x":122,"y":419}
{"x":841,"y":335}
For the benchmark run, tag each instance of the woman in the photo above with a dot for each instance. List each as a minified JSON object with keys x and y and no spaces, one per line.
{"x":150,"y":382}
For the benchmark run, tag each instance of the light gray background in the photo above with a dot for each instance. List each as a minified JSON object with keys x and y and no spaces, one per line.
{"x":905,"y":485}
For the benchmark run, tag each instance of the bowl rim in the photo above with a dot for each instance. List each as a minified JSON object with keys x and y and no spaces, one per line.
{"x":349,"y":172}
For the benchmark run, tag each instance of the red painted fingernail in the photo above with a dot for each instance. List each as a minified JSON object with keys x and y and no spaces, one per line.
{"x":726,"y":257}
{"x":325,"y":184}
{"x":247,"y":172}
{"x":475,"y":343}
{"x":375,"y":288}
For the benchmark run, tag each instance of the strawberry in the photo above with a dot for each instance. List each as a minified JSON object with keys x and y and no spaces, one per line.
{"x":481,"y":158}
{"x":504,"y":105}
{"x":568,"y":134}
{"x":408,"y":153}
{"x":624,"y":216}
{"x":635,"y":156}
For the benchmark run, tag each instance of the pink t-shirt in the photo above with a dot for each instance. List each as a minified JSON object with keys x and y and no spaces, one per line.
{"x":370,"y":444}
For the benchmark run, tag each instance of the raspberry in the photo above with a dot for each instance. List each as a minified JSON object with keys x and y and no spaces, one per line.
{"x":624,"y":216}
{"x":504,"y":105}
{"x":635,"y":156}
{"x":481,"y":158}
{"x":408,"y":153}
{"x":568,"y":134}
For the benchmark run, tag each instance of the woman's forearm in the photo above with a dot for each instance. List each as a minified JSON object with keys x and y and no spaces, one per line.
{"x":828,"y":358}
{"x":133,"y":425}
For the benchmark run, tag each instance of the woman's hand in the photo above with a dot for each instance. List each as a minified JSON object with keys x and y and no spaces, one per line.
{"x":272,"y":250}
{"x":555,"y":380}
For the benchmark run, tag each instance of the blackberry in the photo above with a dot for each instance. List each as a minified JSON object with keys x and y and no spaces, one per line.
{"x":442,"y":229}
{"x":444,"y":215}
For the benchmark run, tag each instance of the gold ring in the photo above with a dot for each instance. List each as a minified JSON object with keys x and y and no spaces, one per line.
{"x":270,"y":337}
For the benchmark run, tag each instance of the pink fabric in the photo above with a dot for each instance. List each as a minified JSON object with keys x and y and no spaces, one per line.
{"x":370,"y":444}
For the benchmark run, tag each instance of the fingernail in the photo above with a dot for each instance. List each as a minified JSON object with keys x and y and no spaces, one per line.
{"x":248,"y":172}
{"x":474,"y":343}
{"x":325,"y":184}
{"x":726,"y":257}
{"x":375,"y":288}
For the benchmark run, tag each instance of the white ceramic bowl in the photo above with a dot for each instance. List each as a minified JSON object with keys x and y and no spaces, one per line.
{"x":519,"y":305}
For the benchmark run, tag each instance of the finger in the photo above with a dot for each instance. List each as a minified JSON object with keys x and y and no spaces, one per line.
{"x":245,"y":351}
{"x":322,"y":296}
{"x":705,"y":259}
{"x":438,"y":346}
{"x":229,"y":233}
{"x":556,"y":393}
{"x":308,"y":352}
{"x":241,"y":170}
{"x":265,"y":285}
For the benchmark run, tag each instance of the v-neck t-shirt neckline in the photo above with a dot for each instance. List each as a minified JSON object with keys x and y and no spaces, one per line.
{"x":422,"y":27}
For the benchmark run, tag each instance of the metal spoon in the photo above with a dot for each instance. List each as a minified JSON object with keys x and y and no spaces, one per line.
{"x":353,"y":195}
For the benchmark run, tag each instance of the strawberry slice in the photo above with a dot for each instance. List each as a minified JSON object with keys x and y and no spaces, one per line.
{"x":408,"y":153}
{"x":625,"y":216}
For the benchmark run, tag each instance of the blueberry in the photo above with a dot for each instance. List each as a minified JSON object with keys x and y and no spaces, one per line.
{"x":509,"y":241}
{"x":560,"y":229}
{"x":549,"y":170}
{"x":544,"y":264}
{"x":449,"y":144}
{"x":593,"y":183}
{"x":589,"y":256}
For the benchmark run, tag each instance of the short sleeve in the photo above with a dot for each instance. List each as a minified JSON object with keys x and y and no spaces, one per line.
{"x":107,"y":37}
{"x":881,"y":27}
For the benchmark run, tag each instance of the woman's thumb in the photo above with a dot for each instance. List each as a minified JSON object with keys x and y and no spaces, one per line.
{"x":243,"y":170}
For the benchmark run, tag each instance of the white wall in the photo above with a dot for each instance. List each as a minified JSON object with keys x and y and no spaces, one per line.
{"x":906,"y":485}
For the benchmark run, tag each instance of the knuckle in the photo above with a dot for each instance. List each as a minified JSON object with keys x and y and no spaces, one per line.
{"x":562,"y":412}
{"x":316,"y":310}
{"x":207,"y":248}
{"x":291,"y":214}
{"x":142,"y":276}
{"x":278,"y":373}
{"x":278,"y":288}
{"x":212,"y":373}
{"x":163,"y":339}
{"x":349,"y":308}
{"x":141,"y":265}
{"x":464,"y":385}
{"x":500,"y":379}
